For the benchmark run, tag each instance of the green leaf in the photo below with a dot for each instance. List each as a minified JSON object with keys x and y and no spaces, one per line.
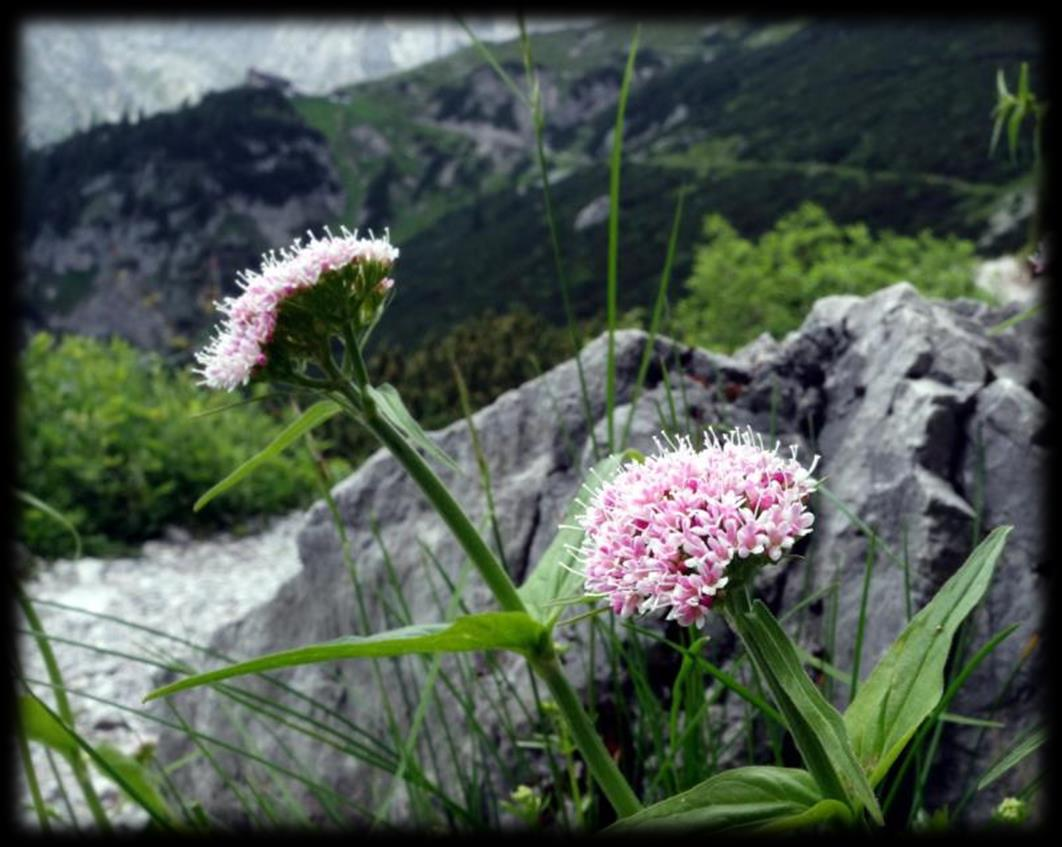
{"x":41,"y":725}
{"x":108,"y":761}
{"x":908,"y":682}
{"x":1016,"y":117}
{"x":1023,"y":82}
{"x":554,"y":576}
{"x":317,"y":414}
{"x":822,"y":812}
{"x":135,"y":779}
{"x":390,"y":405}
{"x":743,"y":798}
{"x":515,"y":631}
{"x":816,"y":726}
{"x":54,"y":514}
{"x":1001,"y":85}
{"x":965,"y":720}
{"x":1025,"y":746}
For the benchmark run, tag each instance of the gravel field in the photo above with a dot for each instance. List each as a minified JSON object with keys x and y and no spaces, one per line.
{"x":184,"y":587}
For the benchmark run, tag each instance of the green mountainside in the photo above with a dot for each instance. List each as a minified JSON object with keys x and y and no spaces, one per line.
{"x":135,"y":229}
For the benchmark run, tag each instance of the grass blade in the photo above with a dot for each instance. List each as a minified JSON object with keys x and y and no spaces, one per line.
{"x":1023,"y":747}
{"x":658,"y":313}
{"x":613,"y":239}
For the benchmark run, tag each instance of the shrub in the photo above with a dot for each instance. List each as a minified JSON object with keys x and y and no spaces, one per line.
{"x":108,"y":438}
{"x":739,"y":288}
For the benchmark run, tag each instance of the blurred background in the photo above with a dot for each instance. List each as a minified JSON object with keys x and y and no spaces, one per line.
{"x":159,"y":157}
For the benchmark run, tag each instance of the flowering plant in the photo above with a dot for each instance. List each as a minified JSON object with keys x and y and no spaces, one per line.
{"x":663,"y":534}
{"x":680,"y":533}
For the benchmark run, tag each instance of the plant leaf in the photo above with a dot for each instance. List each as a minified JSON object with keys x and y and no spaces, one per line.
{"x":135,"y":780}
{"x":315,"y":415}
{"x":743,"y":798}
{"x":816,"y":726}
{"x":1026,"y":745}
{"x":486,"y":631}
{"x":1023,"y":82}
{"x":41,"y":725}
{"x":105,"y":759}
{"x":997,"y":128}
{"x":907,"y":684}
{"x":54,"y":514}
{"x":821,"y":812}
{"x":1001,"y":84}
{"x":390,"y":404}
{"x":553,"y":576}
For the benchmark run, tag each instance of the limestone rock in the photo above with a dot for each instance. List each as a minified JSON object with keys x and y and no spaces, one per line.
{"x":931,"y":431}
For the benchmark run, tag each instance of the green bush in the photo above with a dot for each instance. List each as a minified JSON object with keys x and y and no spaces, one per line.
{"x":740,"y":288}
{"x":108,"y":438}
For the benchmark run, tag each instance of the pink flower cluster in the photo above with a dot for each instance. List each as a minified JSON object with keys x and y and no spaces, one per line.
{"x":239,"y":347}
{"x":661,"y":534}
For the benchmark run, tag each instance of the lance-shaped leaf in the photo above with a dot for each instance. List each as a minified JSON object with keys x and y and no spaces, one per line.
{"x":1028,"y":744}
{"x":816,"y":726}
{"x":389,"y":402}
{"x":42,"y":725}
{"x":908,"y":682}
{"x":135,"y":779}
{"x":555,"y":575}
{"x":317,"y":414}
{"x":515,"y":631}
{"x":752,"y":798}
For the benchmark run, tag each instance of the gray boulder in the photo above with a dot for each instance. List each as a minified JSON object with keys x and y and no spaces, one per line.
{"x":931,"y":431}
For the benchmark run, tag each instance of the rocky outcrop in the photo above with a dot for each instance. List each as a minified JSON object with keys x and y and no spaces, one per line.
{"x":137,"y":230}
{"x":931,"y":430}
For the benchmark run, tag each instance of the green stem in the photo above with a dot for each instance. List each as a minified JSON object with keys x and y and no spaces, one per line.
{"x":357,"y":361}
{"x":601,"y":766}
{"x":439,"y":496}
{"x":597,"y":758}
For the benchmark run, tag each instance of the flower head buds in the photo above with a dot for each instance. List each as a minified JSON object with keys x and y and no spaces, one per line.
{"x":296,"y":301}
{"x":660,"y":535}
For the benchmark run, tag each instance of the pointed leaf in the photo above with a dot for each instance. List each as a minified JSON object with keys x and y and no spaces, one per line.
{"x":1023,"y":82}
{"x":390,"y":404}
{"x":816,"y":726}
{"x":317,"y":414}
{"x":41,"y":725}
{"x":997,"y":128}
{"x":743,"y":798}
{"x":908,"y":682}
{"x":54,"y":514}
{"x":555,"y":574}
{"x":1016,"y":117}
{"x":135,"y":780}
{"x":1001,"y":85}
{"x":1026,"y":745}
{"x":486,"y":631}
{"x":105,"y":761}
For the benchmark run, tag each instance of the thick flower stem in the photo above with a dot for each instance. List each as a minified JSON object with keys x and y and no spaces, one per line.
{"x":496,"y":577}
{"x":602,"y":767}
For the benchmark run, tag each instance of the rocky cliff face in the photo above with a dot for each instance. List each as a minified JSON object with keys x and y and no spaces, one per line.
{"x":931,"y":430}
{"x":143,"y":244}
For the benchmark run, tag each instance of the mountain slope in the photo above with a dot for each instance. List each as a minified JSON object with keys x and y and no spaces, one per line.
{"x":886,"y":122}
{"x":77,"y":72}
